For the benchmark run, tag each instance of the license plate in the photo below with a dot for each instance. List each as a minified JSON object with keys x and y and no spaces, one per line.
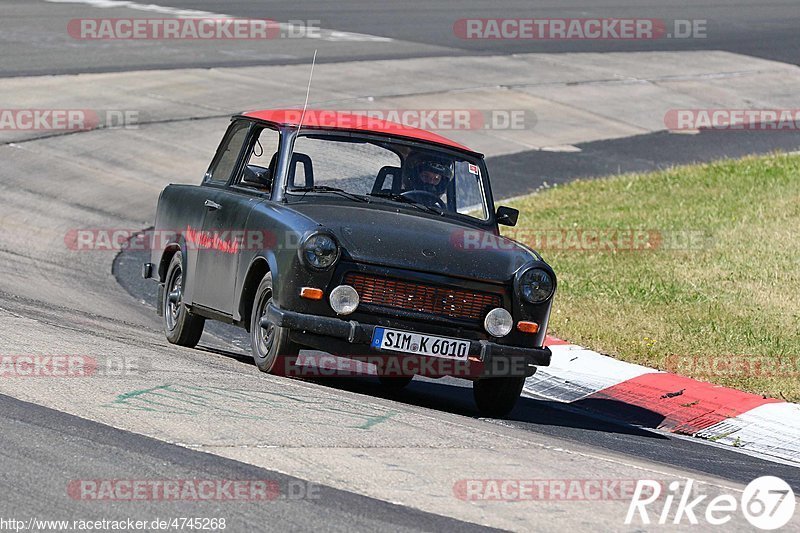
{"x":419,"y":344}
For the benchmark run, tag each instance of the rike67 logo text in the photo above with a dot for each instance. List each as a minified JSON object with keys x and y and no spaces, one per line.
{"x":768,"y":503}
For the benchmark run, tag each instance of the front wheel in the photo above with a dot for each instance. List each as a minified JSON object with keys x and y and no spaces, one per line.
{"x":271,"y":345}
{"x":180,"y":325}
{"x":496,"y":397}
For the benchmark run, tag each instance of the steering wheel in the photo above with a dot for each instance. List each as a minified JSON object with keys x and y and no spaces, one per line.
{"x":425,"y":198}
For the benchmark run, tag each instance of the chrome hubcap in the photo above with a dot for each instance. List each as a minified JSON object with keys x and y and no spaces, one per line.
{"x":265,"y":335}
{"x":174,"y":299}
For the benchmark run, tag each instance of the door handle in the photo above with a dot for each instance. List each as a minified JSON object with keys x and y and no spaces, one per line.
{"x":212,"y":205}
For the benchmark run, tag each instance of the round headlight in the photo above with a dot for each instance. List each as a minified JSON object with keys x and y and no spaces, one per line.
{"x":344,"y":299}
{"x":498,"y":322}
{"x":536,"y":285}
{"x":320,"y":251}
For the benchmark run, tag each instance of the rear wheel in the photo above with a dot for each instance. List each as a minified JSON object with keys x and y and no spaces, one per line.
{"x":496,"y":397}
{"x":180,"y":325}
{"x":272,"y":349}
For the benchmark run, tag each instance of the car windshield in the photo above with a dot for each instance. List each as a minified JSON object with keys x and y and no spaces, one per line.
{"x":417,"y":178}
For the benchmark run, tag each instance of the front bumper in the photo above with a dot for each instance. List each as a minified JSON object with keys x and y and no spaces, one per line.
{"x":348,"y":338}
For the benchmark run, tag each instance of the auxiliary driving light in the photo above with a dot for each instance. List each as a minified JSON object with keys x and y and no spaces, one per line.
{"x":344,"y":299}
{"x":498,"y":322}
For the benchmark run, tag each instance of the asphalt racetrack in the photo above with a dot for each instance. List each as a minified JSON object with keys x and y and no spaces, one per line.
{"x":359,"y":458}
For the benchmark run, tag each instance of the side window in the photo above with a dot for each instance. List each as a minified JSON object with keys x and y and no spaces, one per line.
{"x":261,"y":160}
{"x":469,"y":191}
{"x":264,"y":150}
{"x":227,"y":153}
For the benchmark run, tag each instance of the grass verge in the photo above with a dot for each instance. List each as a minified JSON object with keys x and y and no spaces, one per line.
{"x":695,"y":270}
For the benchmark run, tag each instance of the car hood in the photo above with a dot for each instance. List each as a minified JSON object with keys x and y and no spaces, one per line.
{"x":389,"y":237}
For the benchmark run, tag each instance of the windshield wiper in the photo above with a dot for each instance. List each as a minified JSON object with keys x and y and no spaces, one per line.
{"x":406,"y":200}
{"x":335,"y":190}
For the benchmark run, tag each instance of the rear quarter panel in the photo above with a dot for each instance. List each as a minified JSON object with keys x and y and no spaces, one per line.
{"x":179,"y":207}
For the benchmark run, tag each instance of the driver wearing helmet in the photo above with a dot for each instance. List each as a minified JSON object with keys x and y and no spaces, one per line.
{"x":431,"y":175}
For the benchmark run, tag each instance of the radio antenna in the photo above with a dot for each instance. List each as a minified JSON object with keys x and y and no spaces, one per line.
{"x":302,"y":116}
{"x":308,"y":91}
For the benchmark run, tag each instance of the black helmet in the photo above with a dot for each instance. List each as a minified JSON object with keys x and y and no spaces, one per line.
{"x":434,"y":165}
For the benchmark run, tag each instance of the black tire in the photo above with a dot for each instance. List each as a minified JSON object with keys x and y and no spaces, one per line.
{"x":395,"y":383}
{"x":180,"y":325}
{"x":272,"y":349}
{"x":496,"y":397}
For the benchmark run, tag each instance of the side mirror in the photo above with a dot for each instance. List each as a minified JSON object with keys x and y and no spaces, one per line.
{"x":257,"y":177}
{"x":507,"y":216}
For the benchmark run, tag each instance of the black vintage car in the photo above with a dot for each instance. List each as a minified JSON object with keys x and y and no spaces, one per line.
{"x":360,"y":238}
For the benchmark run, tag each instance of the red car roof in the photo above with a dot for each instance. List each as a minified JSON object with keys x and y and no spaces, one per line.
{"x":340,"y":120}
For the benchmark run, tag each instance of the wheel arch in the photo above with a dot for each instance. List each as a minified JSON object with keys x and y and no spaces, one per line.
{"x":166,"y":258}
{"x":259,"y":267}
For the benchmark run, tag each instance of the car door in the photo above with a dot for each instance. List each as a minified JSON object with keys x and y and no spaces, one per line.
{"x":226,"y":220}
{"x":216,"y":245}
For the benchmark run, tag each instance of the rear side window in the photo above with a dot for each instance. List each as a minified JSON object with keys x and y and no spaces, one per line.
{"x":260,"y":163}
{"x":228,"y":153}
{"x":264,"y":153}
